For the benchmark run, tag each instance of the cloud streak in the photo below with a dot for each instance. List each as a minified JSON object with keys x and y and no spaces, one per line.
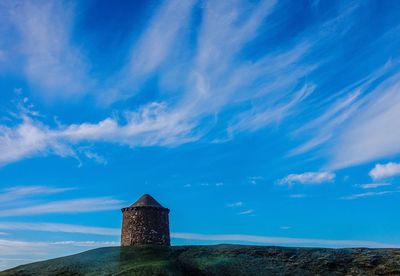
{"x":13,"y":193}
{"x":373,"y":185}
{"x":307,"y":178}
{"x":247,"y":212}
{"x":366,"y":136}
{"x":59,"y":228}
{"x":368,"y":194}
{"x":165,"y":29}
{"x":234,"y":204}
{"x":87,"y":243}
{"x":350,"y":127}
{"x":72,"y":206}
{"x":52,"y":62}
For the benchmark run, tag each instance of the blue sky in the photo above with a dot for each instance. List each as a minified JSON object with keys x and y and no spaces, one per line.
{"x":259,"y":122}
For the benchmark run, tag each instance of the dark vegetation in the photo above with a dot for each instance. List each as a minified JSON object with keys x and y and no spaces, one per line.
{"x":219,"y":260}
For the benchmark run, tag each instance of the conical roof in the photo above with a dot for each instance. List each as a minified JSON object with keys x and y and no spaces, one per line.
{"x":146,"y":200}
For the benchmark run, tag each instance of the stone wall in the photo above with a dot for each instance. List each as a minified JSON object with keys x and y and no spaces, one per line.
{"x":145,"y":225}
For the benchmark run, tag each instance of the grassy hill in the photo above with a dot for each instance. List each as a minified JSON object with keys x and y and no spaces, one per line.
{"x":218,"y":260}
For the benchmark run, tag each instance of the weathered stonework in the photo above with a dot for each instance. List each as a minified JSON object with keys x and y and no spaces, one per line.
{"x":145,"y":222}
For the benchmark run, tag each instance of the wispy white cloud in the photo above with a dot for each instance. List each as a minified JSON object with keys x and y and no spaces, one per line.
{"x":297,"y":196}
{"x":163,"y":40}
{"x":52,"y":62}
{"x":260,"y":116}
{"x":235,"y":204}
{"x":161,"y":36}
{"x":373,"y":185}
{"x":13,"y":193}
{"x":285,"y":227}
{"x":373,"y":132}
{"x":72,"y":206}
{"x":247,"y":212}
{"x":385,"y":170}
{"x":282,"y":240}
{"x":307,"y":178}
{"x":59,"y":227}
{"x":323,"y":127}
{"x":150,"y":126}
{"x":368,"y":194}
{"x":204,"y":184}
{"x":95,"y":156}
{"x":356,"y":117}
{"x":87,"y":243}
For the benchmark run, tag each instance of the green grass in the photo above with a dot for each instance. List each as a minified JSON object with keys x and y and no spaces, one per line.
{"x":218,"y":260}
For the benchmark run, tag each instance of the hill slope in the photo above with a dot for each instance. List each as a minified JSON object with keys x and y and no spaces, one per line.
{"x":218,"y":260}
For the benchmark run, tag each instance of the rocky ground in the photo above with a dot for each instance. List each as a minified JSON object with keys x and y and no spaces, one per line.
{"x":219,"y":260}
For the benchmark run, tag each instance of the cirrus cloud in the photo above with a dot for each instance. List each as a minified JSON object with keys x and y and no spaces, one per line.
{"x":71,"y":206}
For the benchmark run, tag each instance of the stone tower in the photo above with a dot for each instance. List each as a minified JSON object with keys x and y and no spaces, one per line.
{"x":145,"y":222}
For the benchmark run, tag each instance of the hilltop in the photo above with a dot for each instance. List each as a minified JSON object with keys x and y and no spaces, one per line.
{"x":218,"y":260}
